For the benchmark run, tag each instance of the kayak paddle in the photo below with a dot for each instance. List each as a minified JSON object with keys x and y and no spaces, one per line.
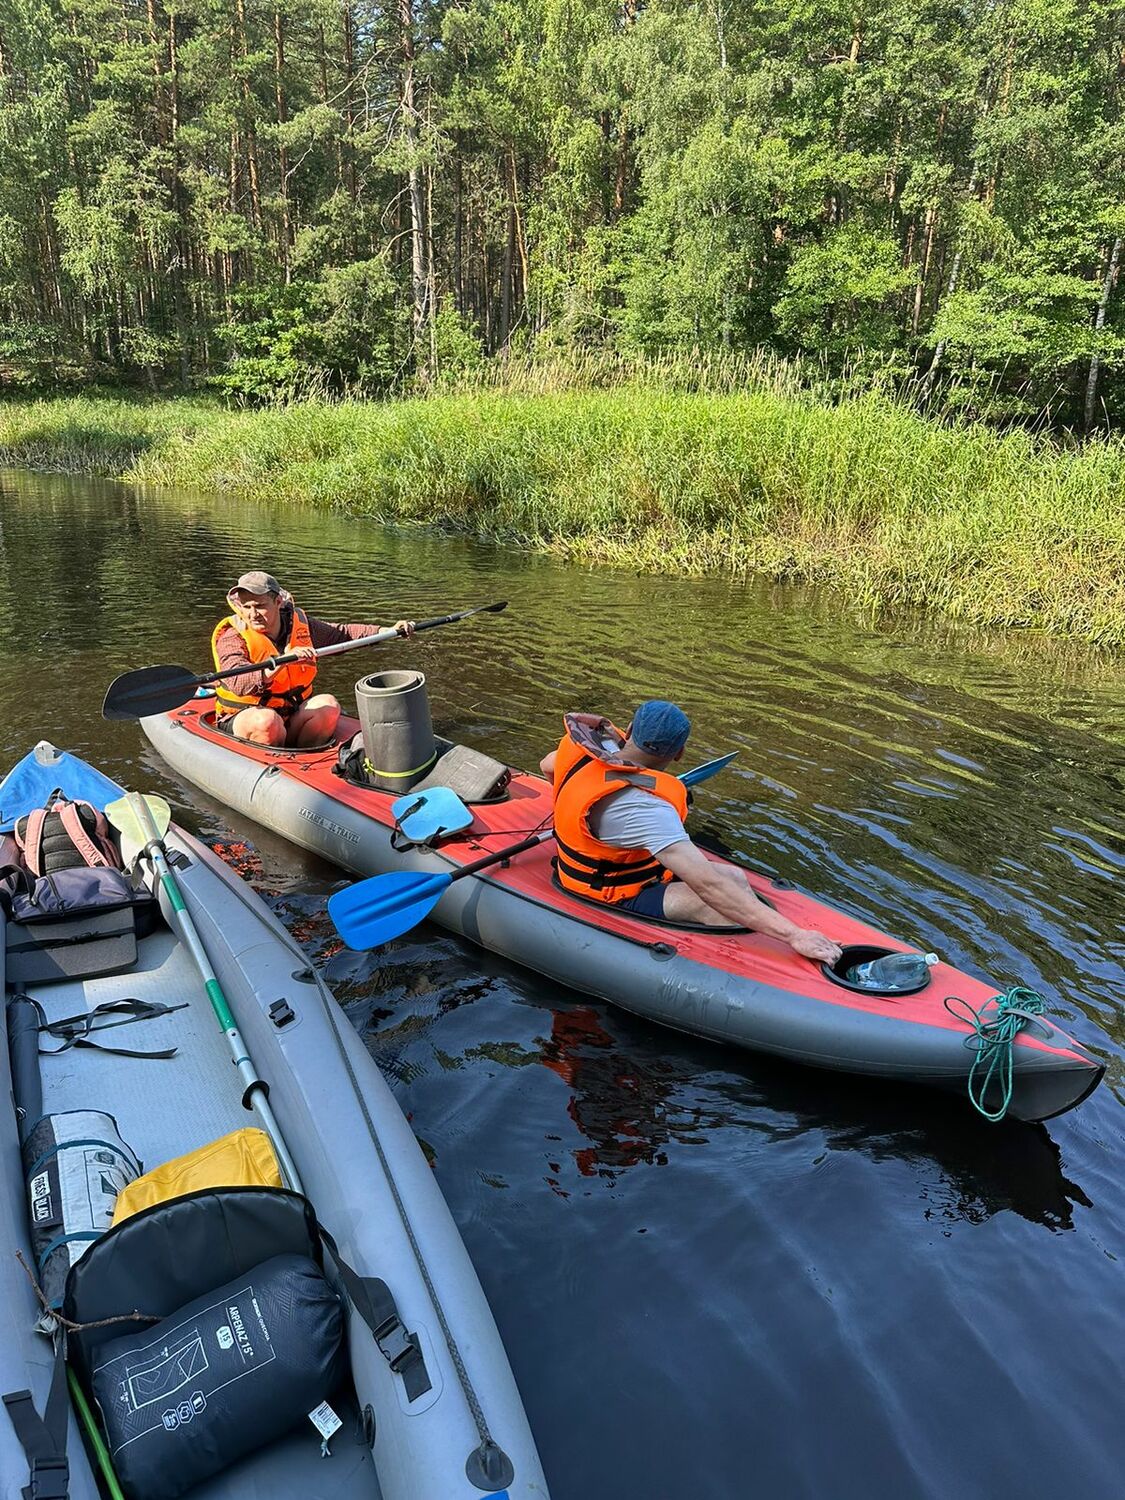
{"x":158,"y":690}
{"x":133,"y":838}
{"x":132,"y":816}
{"x":708,"y":769}
{"x":386,"y":906}
{"x":383,"y":907}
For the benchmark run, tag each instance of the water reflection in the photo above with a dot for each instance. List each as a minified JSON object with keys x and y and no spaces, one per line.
{"x":694,"y":1254}
{"x":631,"y":1102}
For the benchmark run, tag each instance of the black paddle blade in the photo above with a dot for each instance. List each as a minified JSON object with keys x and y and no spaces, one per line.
{"x":149,"y":690}
{"x":494,"y":609}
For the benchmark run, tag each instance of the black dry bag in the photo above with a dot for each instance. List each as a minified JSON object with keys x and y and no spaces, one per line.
{"x":233,"y":1370}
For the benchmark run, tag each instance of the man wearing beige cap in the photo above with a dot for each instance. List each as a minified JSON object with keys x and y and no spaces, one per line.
{"x":276,"y":707}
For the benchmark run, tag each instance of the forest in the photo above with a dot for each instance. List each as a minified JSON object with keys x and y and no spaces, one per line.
{"x":277,"y":198}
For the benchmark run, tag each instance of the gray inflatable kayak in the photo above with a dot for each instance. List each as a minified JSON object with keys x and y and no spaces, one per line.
{"x":412,"y":1428}
{"x":733,"y":987}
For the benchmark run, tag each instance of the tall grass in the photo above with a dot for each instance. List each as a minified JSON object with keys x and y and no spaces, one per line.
{"x":759,"y":476}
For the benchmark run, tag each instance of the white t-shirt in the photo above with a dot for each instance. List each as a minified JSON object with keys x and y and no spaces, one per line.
{"x":635,"y":819}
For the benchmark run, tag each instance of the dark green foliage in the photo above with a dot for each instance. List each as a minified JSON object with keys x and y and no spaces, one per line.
{"x":279,"y":197}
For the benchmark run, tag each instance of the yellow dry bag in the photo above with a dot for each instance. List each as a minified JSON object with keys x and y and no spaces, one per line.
{"x":245,"y":1158}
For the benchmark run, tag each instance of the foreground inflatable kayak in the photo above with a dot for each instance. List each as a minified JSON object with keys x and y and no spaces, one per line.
{"x":728,"y":986}
{"x":421,"y":1403}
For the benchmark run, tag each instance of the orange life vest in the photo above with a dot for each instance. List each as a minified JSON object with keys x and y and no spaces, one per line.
{"x":584,"y":774}
{"x":290,"y":686}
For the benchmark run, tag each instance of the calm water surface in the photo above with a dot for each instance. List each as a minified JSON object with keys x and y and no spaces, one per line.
{"x":716,"y":1275}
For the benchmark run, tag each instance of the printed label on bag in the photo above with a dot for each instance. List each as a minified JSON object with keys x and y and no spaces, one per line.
{"x":325,"y":1420}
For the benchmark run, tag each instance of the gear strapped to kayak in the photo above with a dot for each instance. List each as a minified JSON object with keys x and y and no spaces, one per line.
{"x":62,"y":835}
{"x":75,"y":1164}
{"x":225,"y":1374}
{"x":240,"y":1332}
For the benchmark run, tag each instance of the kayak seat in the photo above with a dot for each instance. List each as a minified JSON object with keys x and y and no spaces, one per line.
{"x":653,"y":921}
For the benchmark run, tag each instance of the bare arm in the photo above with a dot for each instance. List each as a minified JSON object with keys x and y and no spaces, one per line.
{"x":327,"y":633}
{"x":738,"y":903}
{"x":547,"y":764}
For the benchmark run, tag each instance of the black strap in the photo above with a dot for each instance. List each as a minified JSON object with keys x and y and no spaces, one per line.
{"x":43,"y":1438}
{"x":74,"y":1031}
{"x":70,"y":940}
{"x":586,"y":870}
{"x":291,"y":699}
{"x":640,"y":858}
{"x":643,"y":876}
{"x":583,"y":760}
{"x":375,"y":1305}
{"x":401,"y":842}
{"x":294,"y":697}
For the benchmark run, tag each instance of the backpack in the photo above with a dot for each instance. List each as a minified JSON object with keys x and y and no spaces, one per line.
{"x":64,"y":835}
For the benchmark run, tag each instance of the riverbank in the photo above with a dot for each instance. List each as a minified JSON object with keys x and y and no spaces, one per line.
{"x":863,"y":496}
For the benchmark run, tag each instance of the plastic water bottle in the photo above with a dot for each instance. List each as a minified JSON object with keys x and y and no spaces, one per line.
{"x":893,"y":971}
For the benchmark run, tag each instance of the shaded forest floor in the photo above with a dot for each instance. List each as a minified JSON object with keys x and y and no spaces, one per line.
{"x":864,"y":496}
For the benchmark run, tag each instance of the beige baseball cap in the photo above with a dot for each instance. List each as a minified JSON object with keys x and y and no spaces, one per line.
{"x":255,"y":582}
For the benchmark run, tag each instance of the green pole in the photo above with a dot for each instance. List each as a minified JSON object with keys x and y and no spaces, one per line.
{"x":97,"y":1442}
{"x":189,"y":936}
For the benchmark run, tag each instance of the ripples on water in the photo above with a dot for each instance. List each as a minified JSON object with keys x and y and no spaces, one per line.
{"x":716,"y":1274}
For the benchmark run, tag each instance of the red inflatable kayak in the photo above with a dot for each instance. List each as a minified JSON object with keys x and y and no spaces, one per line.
{"x":734,"y":987}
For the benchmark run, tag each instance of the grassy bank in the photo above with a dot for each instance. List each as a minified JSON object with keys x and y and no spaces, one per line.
{"x":863,"y":496}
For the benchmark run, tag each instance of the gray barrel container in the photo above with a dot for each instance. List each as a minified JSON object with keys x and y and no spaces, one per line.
{"x":398,"y":735}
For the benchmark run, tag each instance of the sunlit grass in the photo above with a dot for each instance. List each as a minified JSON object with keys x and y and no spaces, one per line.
{"x":762,"y":475}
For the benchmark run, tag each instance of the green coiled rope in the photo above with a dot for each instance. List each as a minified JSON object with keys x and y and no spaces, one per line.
{"x":993,"y":1064}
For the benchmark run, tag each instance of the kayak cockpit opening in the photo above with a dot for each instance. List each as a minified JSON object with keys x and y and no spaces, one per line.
{"x":855,"y":956}
{"x":223,"y":726}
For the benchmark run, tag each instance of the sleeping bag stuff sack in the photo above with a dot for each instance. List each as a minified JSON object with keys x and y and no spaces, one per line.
{"x":75,"y":1164}
{"x":235,"y":1369}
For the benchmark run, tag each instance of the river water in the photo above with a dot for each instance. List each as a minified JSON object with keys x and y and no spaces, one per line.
{"x":715,"y":1274}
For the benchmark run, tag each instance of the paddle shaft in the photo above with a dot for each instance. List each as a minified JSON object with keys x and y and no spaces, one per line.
{"x":159,"y":690}
{"x":500,"y":855}
{"x":390,"y":634}
{"x":255,"y":1091}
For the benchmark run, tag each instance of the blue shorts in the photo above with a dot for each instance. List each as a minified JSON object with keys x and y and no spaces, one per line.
{"x":646,"y":903}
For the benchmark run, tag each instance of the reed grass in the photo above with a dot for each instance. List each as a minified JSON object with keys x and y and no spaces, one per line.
{"x":756,"y":475}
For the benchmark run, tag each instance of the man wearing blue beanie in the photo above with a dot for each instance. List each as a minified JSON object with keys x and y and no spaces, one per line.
{"x":619,"y":828}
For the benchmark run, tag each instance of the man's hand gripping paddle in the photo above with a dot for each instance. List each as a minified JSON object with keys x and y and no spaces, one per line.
{"x":158,"y":690}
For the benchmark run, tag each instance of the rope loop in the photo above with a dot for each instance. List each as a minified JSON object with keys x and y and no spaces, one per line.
{"x":994,"y":1065}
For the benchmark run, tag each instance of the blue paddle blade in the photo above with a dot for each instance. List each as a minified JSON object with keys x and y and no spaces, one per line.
{"x":375,"y":911}
{"x":708,"y":769}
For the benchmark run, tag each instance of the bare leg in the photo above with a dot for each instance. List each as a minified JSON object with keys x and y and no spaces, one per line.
{"x":681,"y":904}
{"x":315,"y":721}
{"x":261,"y":726}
